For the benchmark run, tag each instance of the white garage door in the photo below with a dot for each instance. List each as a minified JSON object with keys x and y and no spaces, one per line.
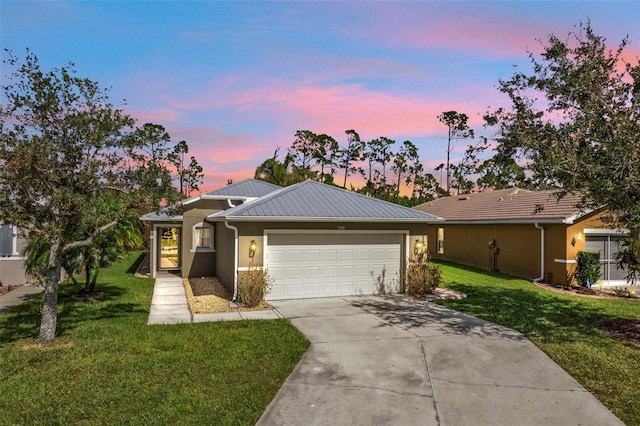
{"x":336,"y":264}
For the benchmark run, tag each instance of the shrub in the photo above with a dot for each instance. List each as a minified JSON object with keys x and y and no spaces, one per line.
{"x":587,"y":268}
{"x":422,"y":277}
{"x":628,"y":259}
{"x":253,"y":285}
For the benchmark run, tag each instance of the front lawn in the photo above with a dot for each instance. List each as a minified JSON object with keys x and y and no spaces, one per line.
{"x":563,"y":326}
{"x":108,"y":367}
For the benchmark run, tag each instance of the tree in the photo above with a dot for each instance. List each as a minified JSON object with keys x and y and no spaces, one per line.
{"x":64,"y":149}
{"x":467,"y":167}
{"x":281,"y":173}
{"x":405,"y":163}
{"x":192,"y":177}
{"x":189,"y":176}
{"x":325,"y":154}
{"x":105,"y":248}
{"x":351,"y":154}
{"x":576,"y":119}
{"x":457,"y":129}
{"x":303,"y":148}
{"x":378,"y":151}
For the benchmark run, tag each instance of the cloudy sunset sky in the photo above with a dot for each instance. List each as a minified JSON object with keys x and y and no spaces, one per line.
{"x":237,"y":79}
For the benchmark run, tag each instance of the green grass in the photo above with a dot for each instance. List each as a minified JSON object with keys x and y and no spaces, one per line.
{"x":108,"y":367}
{"x":563,"y":326}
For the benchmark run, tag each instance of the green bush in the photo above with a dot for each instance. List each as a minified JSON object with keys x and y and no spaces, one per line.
{"x":628,"y":258}
{"x":588,"y":268}
{"x":422,"y":277}
{"x":253,"y":285}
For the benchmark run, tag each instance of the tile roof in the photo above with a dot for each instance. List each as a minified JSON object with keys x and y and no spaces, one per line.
{"x":246,"y":188}
{"x":507,"y":205}
{"x":315,"y":201}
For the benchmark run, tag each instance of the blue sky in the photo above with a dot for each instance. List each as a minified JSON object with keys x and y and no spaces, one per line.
{"x":237,"y":79}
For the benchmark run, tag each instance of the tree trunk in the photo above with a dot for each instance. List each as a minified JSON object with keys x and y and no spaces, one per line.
{"x":49,"y":319}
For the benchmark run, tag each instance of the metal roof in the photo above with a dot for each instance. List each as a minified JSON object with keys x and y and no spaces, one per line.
{"x":314,"y":201}
{"x":160,"y":217}
{"x":506,"y":206}
{"x":248,"y":188}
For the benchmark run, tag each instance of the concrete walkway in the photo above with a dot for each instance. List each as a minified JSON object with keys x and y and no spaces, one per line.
{"x":169,"y":305}
{"x":393,"y":360}
{"x":15,"y":297}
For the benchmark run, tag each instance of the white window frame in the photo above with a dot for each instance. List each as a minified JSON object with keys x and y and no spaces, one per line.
{"x":194,"y":238}
{"x":14,"y":243}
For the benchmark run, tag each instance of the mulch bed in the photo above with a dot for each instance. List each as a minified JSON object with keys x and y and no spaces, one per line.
{"x":206,"y":286}
{"x":7,"y":288}
{"x":207,"y":295}
{"x":584,"y":292}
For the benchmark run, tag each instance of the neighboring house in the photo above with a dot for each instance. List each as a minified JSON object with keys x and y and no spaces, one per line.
{"x":11,"y":261}
{"x":315,"y":240}
{"x":524,"y":233}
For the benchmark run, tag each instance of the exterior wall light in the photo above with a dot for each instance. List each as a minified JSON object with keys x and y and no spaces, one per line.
{"x":418,"y":247}
{"x":576,"y":238}
{"x":253,"y":246}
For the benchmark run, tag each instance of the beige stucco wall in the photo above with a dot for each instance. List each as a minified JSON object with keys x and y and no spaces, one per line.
{"x":12,"y":268}
{"x":224,"y":259}
{"x":519,"y":246}
{"x":196,"y":263}
{"x":12,"y":271}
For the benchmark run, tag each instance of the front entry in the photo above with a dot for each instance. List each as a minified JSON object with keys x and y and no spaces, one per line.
{"x":169,"y":249}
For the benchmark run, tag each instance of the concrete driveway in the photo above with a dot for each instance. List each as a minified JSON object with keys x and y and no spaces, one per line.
{"x":377,"y":360}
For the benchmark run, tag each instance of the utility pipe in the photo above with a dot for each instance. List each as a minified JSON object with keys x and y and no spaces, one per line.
{"x":541,"y":277}
{"x":234,"y":300}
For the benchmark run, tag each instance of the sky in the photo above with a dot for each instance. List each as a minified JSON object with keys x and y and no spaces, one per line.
{"x":237,"y":79}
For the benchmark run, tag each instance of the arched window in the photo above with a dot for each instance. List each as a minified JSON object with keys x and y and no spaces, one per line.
{"x":202,"y":237}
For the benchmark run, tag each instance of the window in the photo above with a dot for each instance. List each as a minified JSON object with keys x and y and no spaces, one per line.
{"x":607,"y":246}
{"x":440,"y":247}
{"x":7,"y":241}
{"x":202,"y":237}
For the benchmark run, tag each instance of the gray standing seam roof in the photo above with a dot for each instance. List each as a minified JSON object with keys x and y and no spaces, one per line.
{"x":314,"y":200}
{"x":246,"y":188}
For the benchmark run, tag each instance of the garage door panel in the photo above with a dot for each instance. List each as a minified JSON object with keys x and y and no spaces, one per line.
{"x":330,"y":255}
{"x":377,"y":255}
{"x":345,"y":255}
{"x":345,"y":271}
{"x":293,"y":256}
{"x":311,"y":289}
{"x":334,"y":265}
{"x":293,"y":273}
{"x":312,"y":273}
{"x":329,"y":272}
{"x":293,"y":291}
{"x":329,"y":289}
{"x":312,"y":255}
{"x":276,"y":255}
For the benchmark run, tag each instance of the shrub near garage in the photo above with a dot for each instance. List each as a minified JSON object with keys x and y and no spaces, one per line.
{"x":253,"y":285}
{"x":423,"y":277}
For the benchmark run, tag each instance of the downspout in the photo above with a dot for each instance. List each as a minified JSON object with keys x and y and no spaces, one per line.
{"x":234,"y":300}
{"x":541,"y":277}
